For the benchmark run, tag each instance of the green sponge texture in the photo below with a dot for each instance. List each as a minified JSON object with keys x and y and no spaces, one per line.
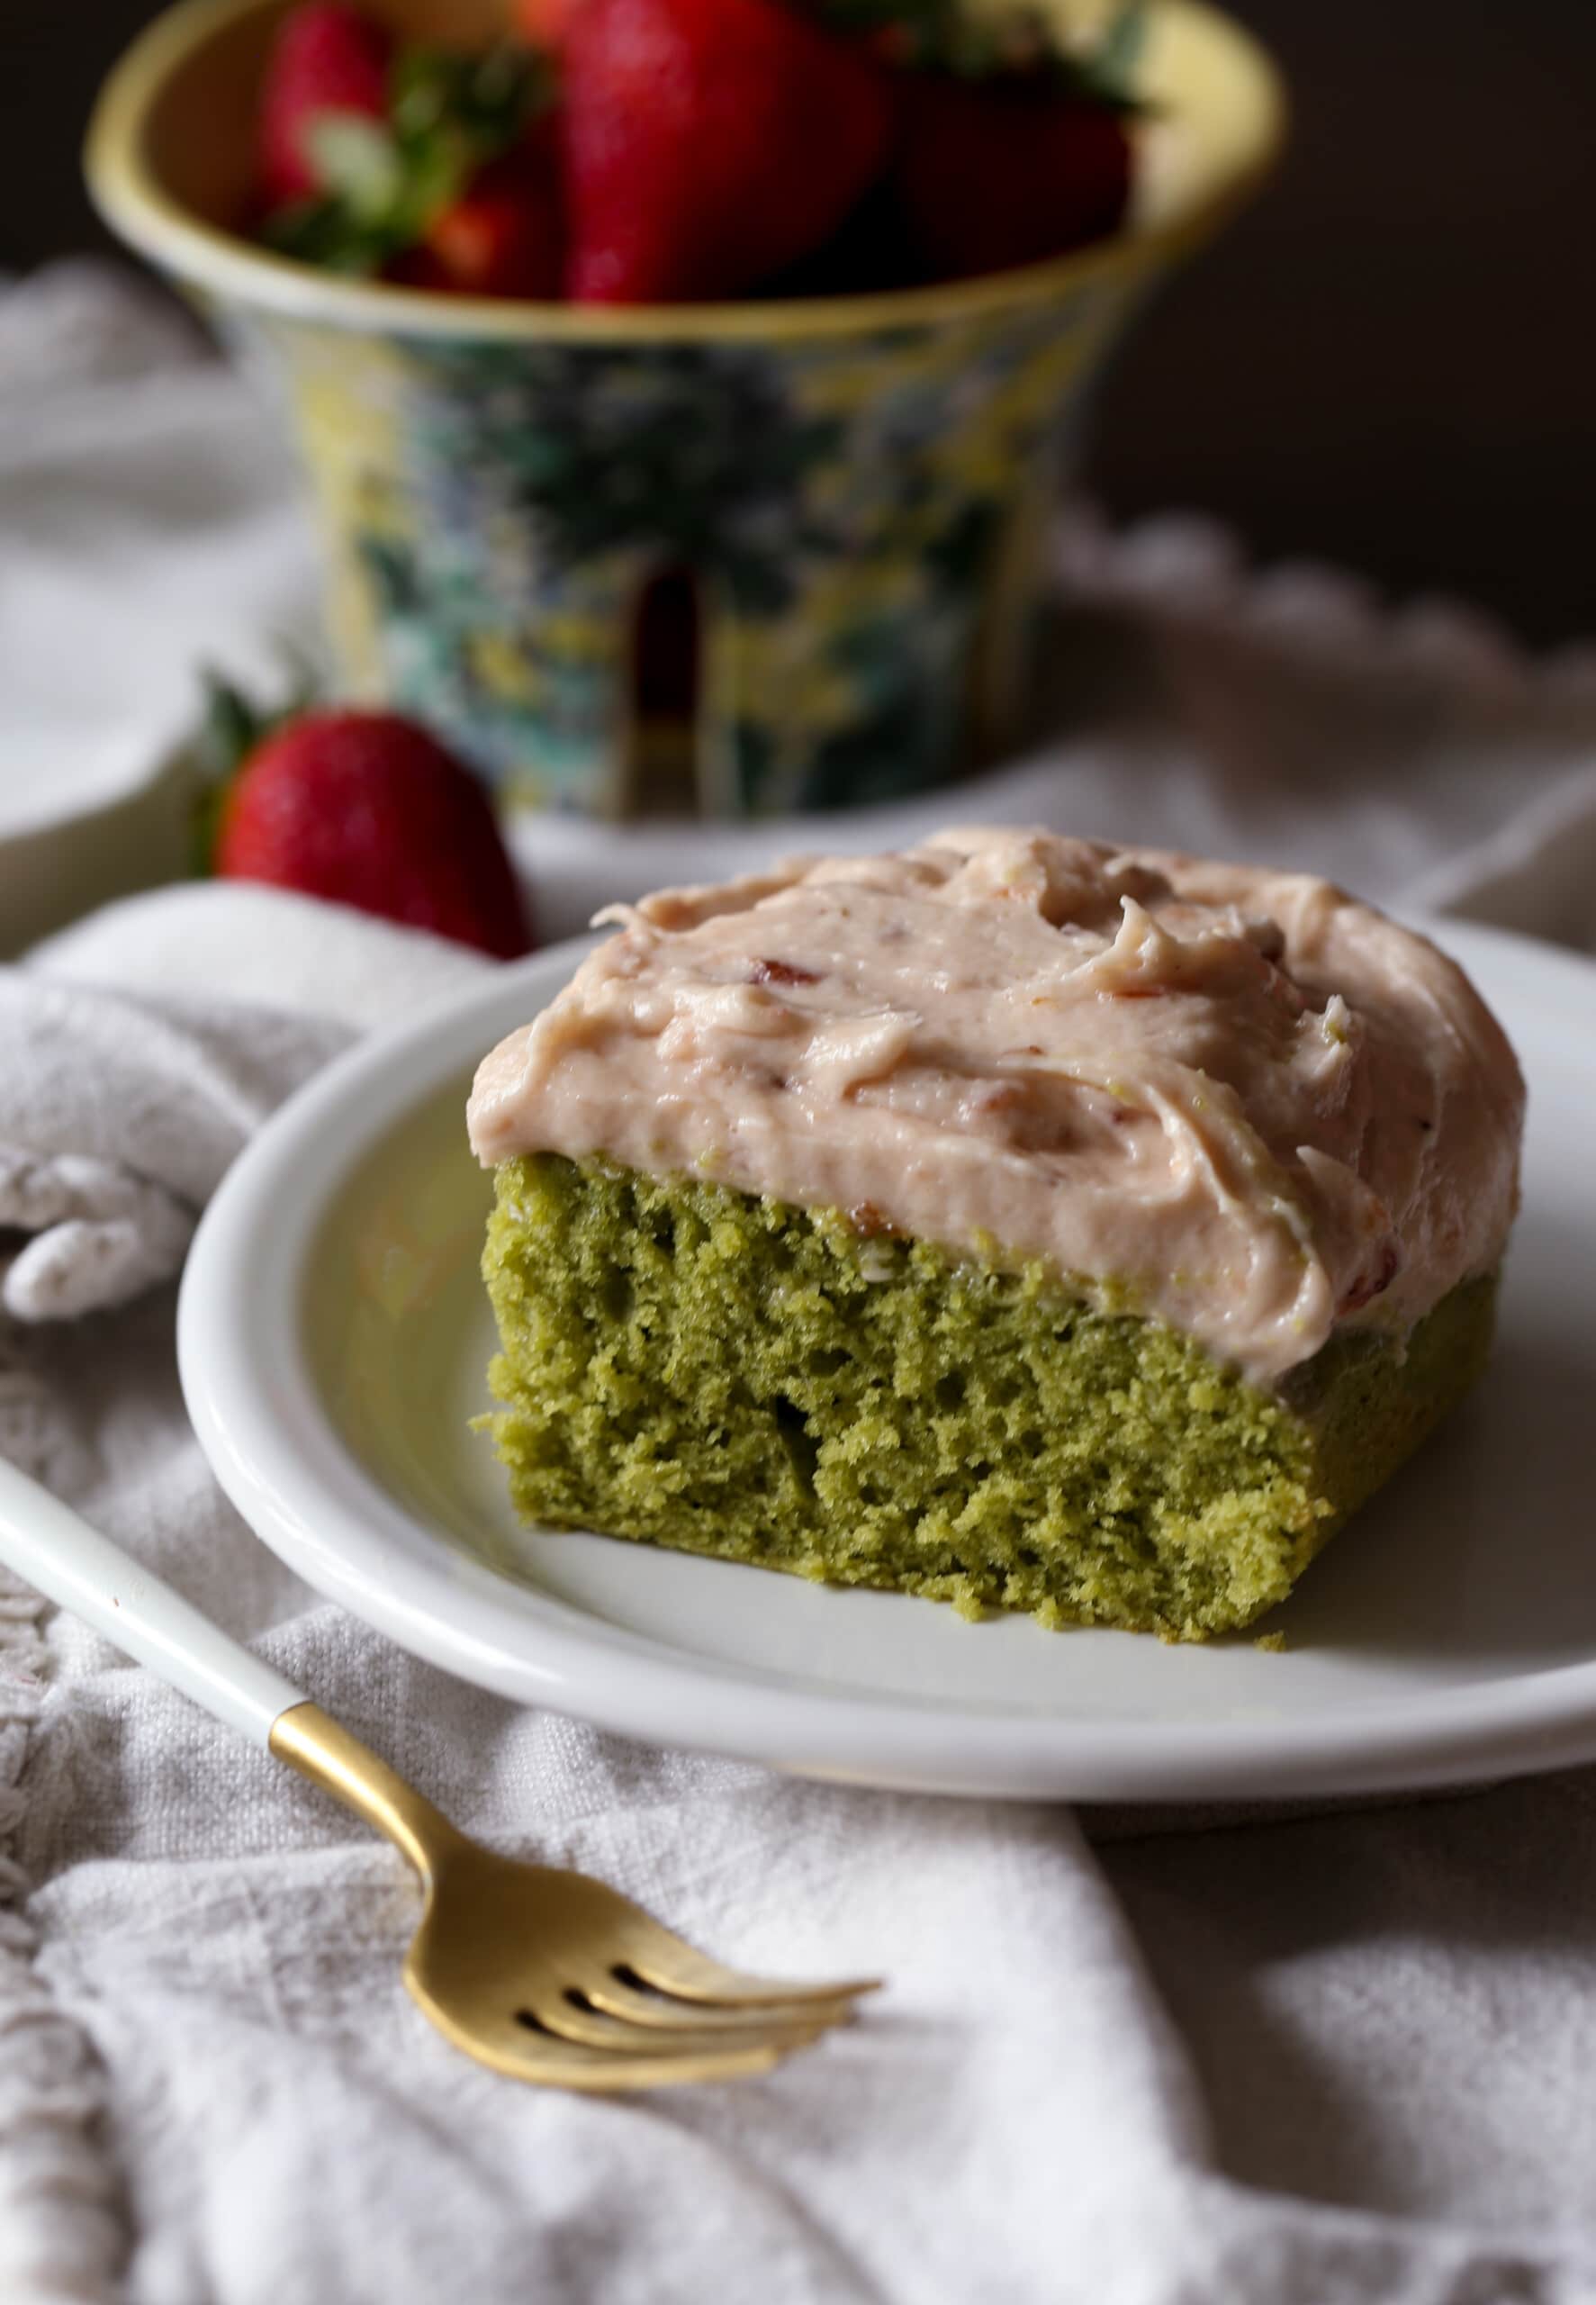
{"x":688,"y":1366}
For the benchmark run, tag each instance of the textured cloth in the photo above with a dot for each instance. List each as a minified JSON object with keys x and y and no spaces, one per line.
{"x":137,"y":499}
{"x":1339,"y":2057}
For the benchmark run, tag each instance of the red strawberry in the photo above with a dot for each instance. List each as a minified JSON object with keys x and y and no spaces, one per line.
{"x":366,"y":809}
{"x":501,"y":238}
{"x":325,"y":58}
{"x":708,"y":142}
{"x":1006,"y":171}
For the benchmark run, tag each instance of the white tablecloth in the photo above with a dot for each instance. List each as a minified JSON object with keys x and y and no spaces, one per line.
{"x":1340,"y":2057}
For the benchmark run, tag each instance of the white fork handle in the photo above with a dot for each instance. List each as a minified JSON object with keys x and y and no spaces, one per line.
{"x":56,"y":1551}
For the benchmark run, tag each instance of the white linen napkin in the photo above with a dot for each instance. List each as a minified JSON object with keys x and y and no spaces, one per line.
{"x":1342,"y":2059}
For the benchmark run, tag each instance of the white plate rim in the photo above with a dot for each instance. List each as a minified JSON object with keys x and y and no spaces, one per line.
{"x":282,"y":1464}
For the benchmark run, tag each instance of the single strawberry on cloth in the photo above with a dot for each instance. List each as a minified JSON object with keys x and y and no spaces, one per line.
{"x":214,"y":2091}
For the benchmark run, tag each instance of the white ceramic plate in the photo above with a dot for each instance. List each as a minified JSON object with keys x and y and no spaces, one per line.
{"x":334,"y":1334}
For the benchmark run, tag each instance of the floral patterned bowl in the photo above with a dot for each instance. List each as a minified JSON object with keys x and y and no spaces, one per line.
{"x":852,"y":492}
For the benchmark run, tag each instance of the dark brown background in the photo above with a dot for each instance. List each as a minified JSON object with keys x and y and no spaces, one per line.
{"x":1391,"y":362}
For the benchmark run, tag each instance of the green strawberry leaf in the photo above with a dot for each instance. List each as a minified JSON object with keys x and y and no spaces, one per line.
{"x":484,"y":100}
{"x":950,"y":36}
{"x":232,"y":726}
{"x":356,"y":160}
{"x":326,"y":233}
{"x":384,"y":183}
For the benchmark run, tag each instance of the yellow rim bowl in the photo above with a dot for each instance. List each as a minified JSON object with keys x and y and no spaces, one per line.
{"x":170,"y":150}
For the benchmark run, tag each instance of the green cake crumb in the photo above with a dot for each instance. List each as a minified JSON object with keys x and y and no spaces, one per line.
{"x":688,"y":1366}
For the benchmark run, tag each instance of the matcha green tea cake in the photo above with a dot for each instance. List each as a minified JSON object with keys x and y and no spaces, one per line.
{"x":1022,"y":1221}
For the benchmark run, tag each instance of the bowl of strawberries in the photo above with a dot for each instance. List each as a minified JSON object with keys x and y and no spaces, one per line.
{"x":684,"y":385}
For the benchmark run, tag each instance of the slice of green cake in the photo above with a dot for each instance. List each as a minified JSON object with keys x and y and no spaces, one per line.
{"x":1017,"y":1223}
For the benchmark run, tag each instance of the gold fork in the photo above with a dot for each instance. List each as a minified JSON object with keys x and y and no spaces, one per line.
{"x":542,"y":1973}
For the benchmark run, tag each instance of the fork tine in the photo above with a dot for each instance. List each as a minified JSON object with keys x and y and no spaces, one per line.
{"x":598,"y":2028}
{"x":567,"y":2065}
{"x":549,"y":2063}
{"x":652,"y":2011}
{"x":667,"y":1962}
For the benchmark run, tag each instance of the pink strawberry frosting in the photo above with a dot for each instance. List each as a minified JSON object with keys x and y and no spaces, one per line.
{"x":1235,"y":1099}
